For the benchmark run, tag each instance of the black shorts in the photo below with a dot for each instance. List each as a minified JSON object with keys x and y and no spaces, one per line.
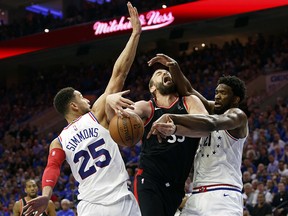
{"x":157,"y":199}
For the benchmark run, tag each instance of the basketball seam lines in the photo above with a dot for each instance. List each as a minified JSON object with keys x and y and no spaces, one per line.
{"x":119,"y":132}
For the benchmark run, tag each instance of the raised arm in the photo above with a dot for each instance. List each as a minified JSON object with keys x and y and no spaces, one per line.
{"x":121,"y":67}
{"x":183,"y":85}
{"x":126,"y":58}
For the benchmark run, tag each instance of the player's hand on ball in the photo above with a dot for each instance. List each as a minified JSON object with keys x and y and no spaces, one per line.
{"x":117,"y":102}
{"x":126,"y":131}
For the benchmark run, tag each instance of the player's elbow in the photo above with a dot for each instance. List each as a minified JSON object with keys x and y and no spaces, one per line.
{"x":211,"y":125}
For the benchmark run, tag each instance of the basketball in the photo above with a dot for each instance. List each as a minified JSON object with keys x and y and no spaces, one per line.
{"x":126,"y":131}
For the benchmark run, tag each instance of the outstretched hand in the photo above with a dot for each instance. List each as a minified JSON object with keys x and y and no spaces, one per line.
{"x":134,"y":19}
{"x":117,"y":102}
{"x":162,"y":128}
{"x":37,"y":205}
{"x":162,"y":59}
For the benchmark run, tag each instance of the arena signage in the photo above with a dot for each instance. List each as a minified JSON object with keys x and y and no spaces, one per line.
{"x":276,"y":81}
{"x":152,"y":20}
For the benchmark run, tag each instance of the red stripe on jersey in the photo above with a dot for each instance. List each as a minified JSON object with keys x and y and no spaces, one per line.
{"x":72,"y":123}
{"x":185,"y":104}
{"x":232,"y":137}
{"x":93,"y":117}
{"x":168,"y":106}
{"x":139,"y":172}
{"x":151,"y":115}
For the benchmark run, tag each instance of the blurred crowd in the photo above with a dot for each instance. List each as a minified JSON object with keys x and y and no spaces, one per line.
{"x":24,"y":149}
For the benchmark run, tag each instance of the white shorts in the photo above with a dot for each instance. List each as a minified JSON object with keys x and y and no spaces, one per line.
{"x":126,"y":206}
{"x":216,"y":203}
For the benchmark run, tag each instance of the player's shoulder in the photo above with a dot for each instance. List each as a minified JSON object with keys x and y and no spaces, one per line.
{"x":55,"y":144}
{"x":142,"y":103}
{"x":51,"y":203}
{"x":237,"y":111}
{"x":55,"y":141}
{"x":17,"y":205}
{"x":192,"y":98}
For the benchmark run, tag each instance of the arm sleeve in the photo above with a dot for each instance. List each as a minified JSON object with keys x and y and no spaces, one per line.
{"x":52,"y":171}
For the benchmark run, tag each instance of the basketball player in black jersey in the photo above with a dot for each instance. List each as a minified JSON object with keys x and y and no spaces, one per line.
{"x":31,"y":189}
{"x":164,"y":168}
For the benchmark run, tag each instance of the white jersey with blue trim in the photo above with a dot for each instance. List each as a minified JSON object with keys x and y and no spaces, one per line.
{"x":218,"y":160}
{"x":95,"y":161}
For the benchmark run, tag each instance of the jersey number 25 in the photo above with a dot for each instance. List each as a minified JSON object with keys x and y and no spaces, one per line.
{"x":83,"y":172}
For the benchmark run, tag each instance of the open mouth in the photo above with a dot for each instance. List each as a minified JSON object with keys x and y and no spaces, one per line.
{"x":167,"y":80}
{"x":217,"y":105}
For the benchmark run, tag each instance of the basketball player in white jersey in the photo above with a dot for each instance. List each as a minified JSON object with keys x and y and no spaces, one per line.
{"x":217,"y":182}
{"x":87,"y":146}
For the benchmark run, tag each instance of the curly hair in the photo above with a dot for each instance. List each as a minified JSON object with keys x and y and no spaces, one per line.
{"x":237,"y":86}
{"x":62,"y":99}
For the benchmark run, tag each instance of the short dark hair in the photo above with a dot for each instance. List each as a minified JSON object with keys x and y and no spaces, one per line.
{"x":62,"y":99}
{"x":28,"y":180}
{"x":237,"y":86}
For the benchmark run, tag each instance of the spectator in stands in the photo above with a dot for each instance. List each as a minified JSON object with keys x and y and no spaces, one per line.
{"x":249,"y":194}
{"x":261,"y":208}
{"x":280,"y":200}
{"x":273,"y":165}
{"x":285,"y":155}
{"x":277,"y":142}
{"x":65,"y":208}
{"x":261,"y":173}
{"x":263,"y":156}
{"x":262,"y":190}
{"x":282,"y":168}
{"x":246,"y":164}
{"x":277,"y":152}
{"x":271,"y":186}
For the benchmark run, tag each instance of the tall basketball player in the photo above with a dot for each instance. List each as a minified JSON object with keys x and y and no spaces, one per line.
{"x":217,"y":182}
{"x":164,"y":168}
{"x":87,"y":146}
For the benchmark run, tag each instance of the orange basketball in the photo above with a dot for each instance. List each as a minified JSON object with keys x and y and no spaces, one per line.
{"x":126,"y":131}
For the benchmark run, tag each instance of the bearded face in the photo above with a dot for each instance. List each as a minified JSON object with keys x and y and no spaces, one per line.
{"x":223,"y":99}
{"x":163,"y":82}
{"x":166,"y":89}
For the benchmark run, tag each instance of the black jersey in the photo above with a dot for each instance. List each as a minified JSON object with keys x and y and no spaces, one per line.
{"x":171,"y":160}
{"x":24,"y":203}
